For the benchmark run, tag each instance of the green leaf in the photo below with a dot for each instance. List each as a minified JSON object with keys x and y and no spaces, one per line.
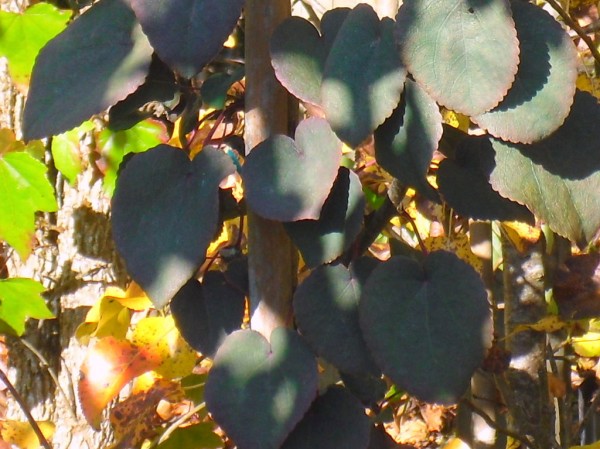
{"x":335,"y":420}
{"x":323,"y":240}
{"x":326,"y":311}
{"x":21,"y":299}
{"x":115,"y":145}
{"x":363,"y":77}
{"x":196,"y":436}
{"x":427,"y":325}
{"x":545,"y":80}
{"x":66,"y":152}
{"x":405,"y":143}
{"x":558,"y":178}
{"x":22,"y":36}
{"x":299,"y":53}
{"x":187,"y":34}
{"x":464,"y":53}
{"x":288,"y":180}
{"x":98,"y":60}
{"x":205,"y":313}
{"x":165,"y":213}
{"x":24,"y":190}
{"x":464,"y":183}
{"x":256,"y":391}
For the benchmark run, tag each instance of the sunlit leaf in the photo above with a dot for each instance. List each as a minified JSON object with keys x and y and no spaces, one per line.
{"x":108,"y":366}
{"x":299,"y":53}
{"x":160,"y":338}
{"x":256,"y":391}
{"x":66,"y":151}
{"x":323,"y":240}
{"x":557,"y":178}
{"x":197,"y":435}
{"x":187,"y":34}
{"x":115,"y":145}
{"x":96,"y":61}
{"x":106,"y":318}
{"x":24,"y":190}
{"x":469,"y":66}
{"x":545,"y":79}
{"x":363,"y":76}
{"x":288,"y":180}
{"x":22,"y":36}
{"x":22,"y":435}
{"x":21,"y":299}
{"x":405,"y":143}
{"x":165,"y":214}
{"x":135,"y":419}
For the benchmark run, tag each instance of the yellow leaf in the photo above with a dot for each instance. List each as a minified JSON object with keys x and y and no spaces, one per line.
{"x":588,"y":345}
{"x":456,"y":443}
{"x":521,"y":235}
{"x":595,"y":445}
{"x":459,"y":245}
{"x":159,"y":337}
{"x":134,"y":298}
{"x":455,"y":119}
{"x":22,"y":435}
{"x":106,"y":318}
{"x":550,"y":323}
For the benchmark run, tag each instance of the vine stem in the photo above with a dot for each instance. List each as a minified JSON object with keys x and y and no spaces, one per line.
{"x":34,"y":425}
{"x":575,"y":27}
{"x":490,"y":422}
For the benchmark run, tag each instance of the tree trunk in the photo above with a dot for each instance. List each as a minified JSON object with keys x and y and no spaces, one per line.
{"x":272,"y":257}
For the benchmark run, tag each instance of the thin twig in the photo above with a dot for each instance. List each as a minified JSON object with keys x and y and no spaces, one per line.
{"x":493,"y":424}
{"x":588,"y":414}
{"x":34,"y":425}
{"x":575,"y":27}
{"x":175,"y":425}
{"x":44,"y":363}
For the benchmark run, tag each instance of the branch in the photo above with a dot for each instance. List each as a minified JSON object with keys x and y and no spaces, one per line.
{"x":490,"y":422}
{"x":21,"y":402}
{"x":575,"y":27}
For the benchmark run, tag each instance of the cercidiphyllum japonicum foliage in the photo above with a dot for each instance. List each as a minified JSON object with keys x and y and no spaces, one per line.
{"x":509,"y":66}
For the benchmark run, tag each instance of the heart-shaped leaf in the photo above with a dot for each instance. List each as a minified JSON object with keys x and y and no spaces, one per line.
{"x":164,"y":215}
{"x":368,"y":388}
{"x":405,"y":143}
{"x":335,"y":420}
{"x":321,"y":241}
{"x":206,"y":313}
{"x":558,"y":178}
{"x":258,"y":392}
{"x":427,"y":325}
{"x":98,"y":60}
{"x":187,"y":34}
{"x":299,"y":53}
{"x":363,"y":77}
{"x":469,"y":66}
{"x":289,"y":180}
{"x":326,"y":311}
{"x":464,"y":183}
{"x":545,"y":80}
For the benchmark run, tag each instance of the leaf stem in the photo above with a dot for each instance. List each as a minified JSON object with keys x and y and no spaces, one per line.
{"x":34,"y":425}
{"x":575,"y":27}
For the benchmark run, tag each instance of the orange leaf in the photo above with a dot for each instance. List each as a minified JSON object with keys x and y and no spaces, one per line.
{"x":107,"y":368}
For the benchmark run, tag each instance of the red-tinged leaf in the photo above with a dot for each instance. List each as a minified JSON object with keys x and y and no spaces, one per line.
{"x":108,"y":366}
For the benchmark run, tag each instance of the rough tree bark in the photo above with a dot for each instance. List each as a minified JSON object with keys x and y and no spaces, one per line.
{"x":74,"y":258}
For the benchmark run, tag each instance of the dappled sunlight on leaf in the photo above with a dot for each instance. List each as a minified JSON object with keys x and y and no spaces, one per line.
{"x":21,"y":434}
